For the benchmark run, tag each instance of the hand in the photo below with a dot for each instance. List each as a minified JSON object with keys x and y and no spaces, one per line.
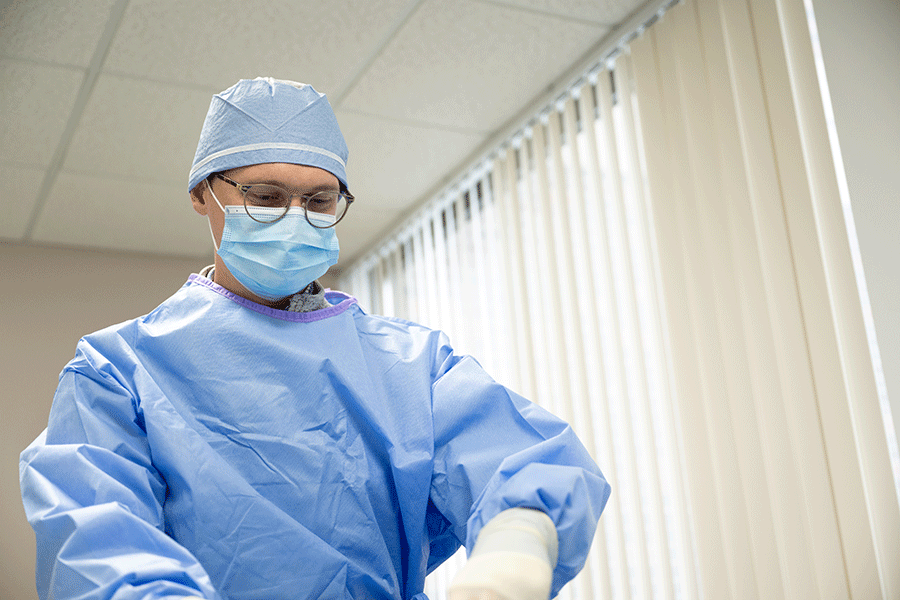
{"x":512,"y":559}
{"x":502,"y":576}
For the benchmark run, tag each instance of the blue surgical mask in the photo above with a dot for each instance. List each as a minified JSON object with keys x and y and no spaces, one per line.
{"x":275,"y":260}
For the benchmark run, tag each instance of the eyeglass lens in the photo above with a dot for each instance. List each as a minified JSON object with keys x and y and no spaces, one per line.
{"x":269,"y":196}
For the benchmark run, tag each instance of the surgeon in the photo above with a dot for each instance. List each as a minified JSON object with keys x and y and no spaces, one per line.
{"x":258,"y":437}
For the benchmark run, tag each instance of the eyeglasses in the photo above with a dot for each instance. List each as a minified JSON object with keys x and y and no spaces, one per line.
{"x":264,"y":195}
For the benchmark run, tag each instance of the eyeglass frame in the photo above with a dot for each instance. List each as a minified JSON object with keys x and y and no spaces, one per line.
{"x":245,"y":187}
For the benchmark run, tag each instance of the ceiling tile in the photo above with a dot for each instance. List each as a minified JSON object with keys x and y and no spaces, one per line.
{"x":214,"y":44}
{"x":136,"y":128}
{"x":393,"y":164}
{"x":60,"y":31}
{"x":607,"y":12}
{"x":35,"y":104}
{"x":95,"y":212}
{"x":18,"y":195}
{"x":360,"y":229}
{"x":469,"y":65}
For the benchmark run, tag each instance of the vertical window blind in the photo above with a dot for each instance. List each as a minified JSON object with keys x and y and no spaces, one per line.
{"x":660,"y":258}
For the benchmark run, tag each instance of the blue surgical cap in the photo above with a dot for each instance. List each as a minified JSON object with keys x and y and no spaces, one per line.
{"x":267,"y":120}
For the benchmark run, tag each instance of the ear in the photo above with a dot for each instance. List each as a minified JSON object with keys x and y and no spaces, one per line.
{"x":198,"y":198}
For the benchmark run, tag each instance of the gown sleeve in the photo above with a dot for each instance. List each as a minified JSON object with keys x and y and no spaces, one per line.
{"x":495,"y":450}
{"x":95,"y":500}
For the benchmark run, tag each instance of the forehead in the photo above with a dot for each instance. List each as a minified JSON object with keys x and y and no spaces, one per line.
{"x":286,"y":174}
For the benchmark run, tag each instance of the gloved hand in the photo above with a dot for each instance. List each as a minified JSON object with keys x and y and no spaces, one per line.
{"x":513,"y":559}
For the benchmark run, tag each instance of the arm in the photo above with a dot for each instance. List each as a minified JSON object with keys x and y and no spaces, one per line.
{"x":95,"y":500}
{"x":495,"y":451}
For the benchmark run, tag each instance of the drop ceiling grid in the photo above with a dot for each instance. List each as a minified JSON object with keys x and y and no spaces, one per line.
{"x":363,"y":227}
{"x":138,"y":129}
{"x":63,"y":32}
{"x":18,"y":195}
{"x":392,"y":164}
{"x":469,"y":64}
{"x":427,"y":81}
{"x":147,"y":217}
{"x":35,"y":103}
{"x":598,"y":12}
{"x":214,"y":44}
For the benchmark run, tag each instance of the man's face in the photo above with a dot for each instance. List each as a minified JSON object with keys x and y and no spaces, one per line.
{"x":298,"y":179}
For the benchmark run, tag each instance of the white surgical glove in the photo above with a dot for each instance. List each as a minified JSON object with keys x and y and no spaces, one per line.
{"x":513,"y":559}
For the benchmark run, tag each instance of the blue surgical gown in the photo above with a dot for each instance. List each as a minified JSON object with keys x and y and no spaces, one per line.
{"x":219,"y":448}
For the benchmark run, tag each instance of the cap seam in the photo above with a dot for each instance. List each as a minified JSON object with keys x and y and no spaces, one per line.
{"x":292,"y":117}
{"x":266,"y":146}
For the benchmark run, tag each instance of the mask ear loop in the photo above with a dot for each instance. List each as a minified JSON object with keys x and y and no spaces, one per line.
{"x":209,"y":221}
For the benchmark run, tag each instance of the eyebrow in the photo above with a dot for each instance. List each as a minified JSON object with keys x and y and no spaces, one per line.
{"x":322,"y":187}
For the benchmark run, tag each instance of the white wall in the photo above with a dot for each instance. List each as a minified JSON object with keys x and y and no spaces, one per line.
{"x":861,"y":50}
